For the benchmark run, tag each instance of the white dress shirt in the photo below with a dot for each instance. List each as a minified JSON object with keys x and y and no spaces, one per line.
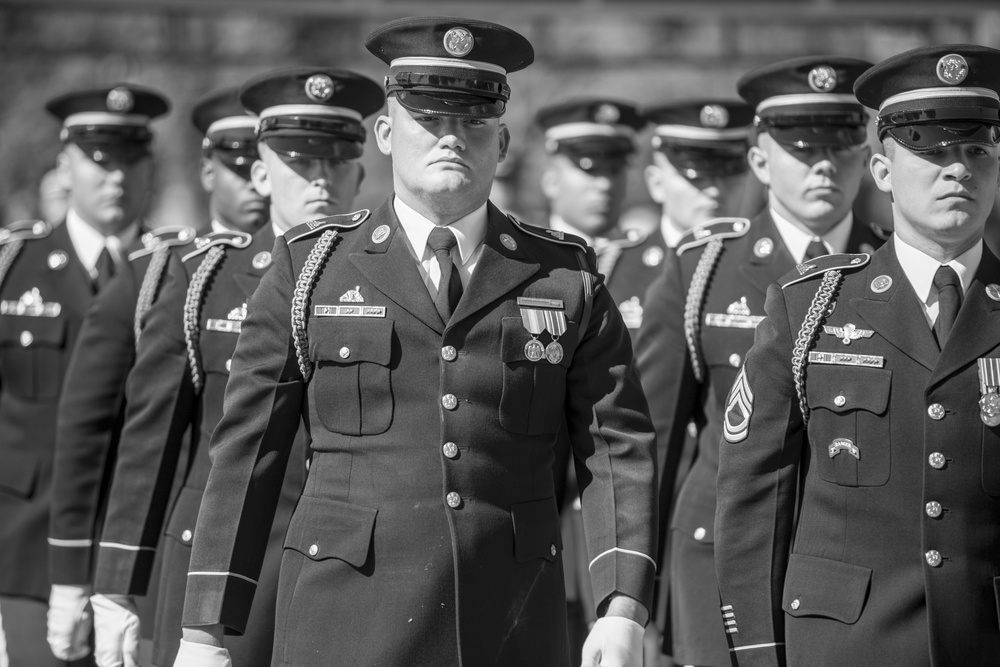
{"x":797,"y":240}
{"x":920,"y":269}
{"x":88,"y":242}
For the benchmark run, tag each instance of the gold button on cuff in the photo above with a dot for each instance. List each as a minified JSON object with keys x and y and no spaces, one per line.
{"x":26,"y":338}
{"x":453,"y":500}
{"x":186,"y":536}
{"x":933,"y":509}
{"x":450,"y":450}
{"x":735,"y":360}
{"x":699,"y":533}
{"x":840,"y":401}
{"x":345,"y":352}
{"x":935,"y":411}
{"x":933,"y":557}
{"x":937,"y":460}
{"x":313,"y":550}
{"x":449,"y":401}
{"x":552,"y":549}
{"x":795,"y":604}
{"x":448,"y":353}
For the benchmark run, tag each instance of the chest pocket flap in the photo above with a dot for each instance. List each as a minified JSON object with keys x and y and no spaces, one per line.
{"x":823,"y":587}
{"x":845,"y":388}
{"x":32,"y":359}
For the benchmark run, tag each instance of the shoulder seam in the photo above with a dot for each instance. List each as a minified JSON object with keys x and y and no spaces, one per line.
{"x":728,"y":228}
{"x":550,"y":235}
{"x":203,"y":243}
{"x":341,"y":221}
{"x":840,"y":262}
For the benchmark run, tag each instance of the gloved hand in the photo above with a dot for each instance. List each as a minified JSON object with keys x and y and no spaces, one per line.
{"x":614,"y":641}
{"x":69,"y":622}
{"x":193,"y":654}
{"x":116,"y":631}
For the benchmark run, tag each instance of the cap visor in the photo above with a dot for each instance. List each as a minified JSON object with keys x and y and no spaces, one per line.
{"x":451,"y":104}
{"x":925,"y":137}
{"x":819,"y":135}
{"x":706,"y":161}
{"x":324,"y":147}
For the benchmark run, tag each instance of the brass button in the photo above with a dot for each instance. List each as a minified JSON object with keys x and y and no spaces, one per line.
{"x":453,"y":500}
{"x":933,"y":557}
{"x":449,"y":401}
{"x":186,"y":536}
{"x":692,"y":429}
{"x":937,"y":460}
{"x":229,"y":365}
{"x":795,"y":604}
{"x":699,"y":533}
{"x":313,"y":550}
{"x":448,"y":353}
{"x":450,"y":450}
{"x":552,"y":549}
{"x":936,"y":411}
{"x":345,"y":352}
{"x":26,"y":338}
{"x":933,"y":509}
{"x":840,"y":401}
{"x":735,"y":360}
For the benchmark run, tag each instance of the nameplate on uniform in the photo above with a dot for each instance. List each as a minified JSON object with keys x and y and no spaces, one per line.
{"x":732,"y":321}
{"x":529,"y":302}
{"x":225,"y":326}
{"x":844,"y":359}
{"x":349,"y":311}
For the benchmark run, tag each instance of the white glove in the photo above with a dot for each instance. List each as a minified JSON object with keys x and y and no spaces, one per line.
{"x":615,"y":641}
{"x":69,"y":622}
{"x":193,"y":654}
{"x":116,"y":631}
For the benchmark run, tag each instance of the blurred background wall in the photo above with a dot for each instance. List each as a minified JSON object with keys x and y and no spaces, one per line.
{"x":640,"y":50}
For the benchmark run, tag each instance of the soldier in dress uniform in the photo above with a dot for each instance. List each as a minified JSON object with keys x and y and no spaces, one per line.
{"x":48,"y":278}
{"x":701,"y":313}
{"x":91,"y":408}
{"x":859,"y":477}
{"x":436,"y":345}
{"x":310,"y":136}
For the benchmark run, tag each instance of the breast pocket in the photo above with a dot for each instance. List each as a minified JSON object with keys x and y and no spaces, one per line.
{"x":533,"y":391}
{"x":849,"y":423}
{"x":31,"y":362}
{"x":352,"y":382}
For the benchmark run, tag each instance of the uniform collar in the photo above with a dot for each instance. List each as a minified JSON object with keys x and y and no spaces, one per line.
{"x":218,"y":226}
{"x":671,"y":232}
{"x":470,"y":230}
{"x":560,"y":225}
{"x":278,"y":231}
{"x":797,"y":239}
{"x":920,"y":267}
{"x":88,"y":242}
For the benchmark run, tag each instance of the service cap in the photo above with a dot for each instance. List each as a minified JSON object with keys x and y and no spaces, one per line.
{"x":808,"y":101}
{"x":229,"y":130}
{"x":109,"y":122}
{"x":450,"y":66}
{"x":597,"y":134}
{"x":935,"y":96}
{"x":702,"y":137}
{"x":312,"y":112}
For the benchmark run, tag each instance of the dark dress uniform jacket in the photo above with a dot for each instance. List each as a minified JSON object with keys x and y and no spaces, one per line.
{"x":636,"y":263}
{"x":162,"y":404}
{"x":36,"y":339}
{"x":873,"y":573}
{"x":721,"y":321}
{"x":428,"y":532}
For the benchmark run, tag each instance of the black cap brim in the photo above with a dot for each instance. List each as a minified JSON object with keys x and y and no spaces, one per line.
{"x":318,"y":146}
{"x":807,"y":136}
{"x":928,"y":136}
{"x":696,"y":162}
{"x":451,"y":104}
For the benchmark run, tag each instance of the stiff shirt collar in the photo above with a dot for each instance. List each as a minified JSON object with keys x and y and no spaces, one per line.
{"x":469,"y":230}
{"x":920,"y":268}
{"x":797,"y":239}
{"x":671,"y":233}
{"x":88,"y":242}
{"x":218,"y":226}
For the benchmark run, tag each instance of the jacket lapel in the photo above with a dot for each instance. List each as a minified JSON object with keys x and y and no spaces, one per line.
{"x":976,"y":329}
{"x":391,"y":268}
{"x":499,"y":270}
{"x":78,"y":287}
{"x":762,"y":271}
{"x":895,"y":314}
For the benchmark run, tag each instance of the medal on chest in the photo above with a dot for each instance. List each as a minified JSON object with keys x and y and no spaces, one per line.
{"x":989,"y":382}
{"x":538,"y":316}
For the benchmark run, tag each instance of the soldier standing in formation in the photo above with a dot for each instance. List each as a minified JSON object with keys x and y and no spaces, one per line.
{"x":701,"y":313}
{"x":309,"y":139}
{"x":436,"y":346}
{"x":859,"y":478}
{"x":48,"y":278}
{"x":91,"y":409}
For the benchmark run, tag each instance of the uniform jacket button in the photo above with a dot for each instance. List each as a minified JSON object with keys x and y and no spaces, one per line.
{"x":186,"y":536}
{"x":229,"y":365}
{"x":840,"y":401}
{"x":453,"y":499}
{"x":936,"y":411}
{"x":937,"y":460}
{"x":450,"y":450}
{"x":26,"y":338}
{"x":345,"y":352}
{"x":313,"y":549}
{"x":795,"y":604}
{"x":735,"y":360}
{"x":552,"y":549}
{"x":448,"y":353}
{"x":933,"y":557}
{"x":933,"y":509}
{"x":699,"y":533}
{"x":449,"y":401}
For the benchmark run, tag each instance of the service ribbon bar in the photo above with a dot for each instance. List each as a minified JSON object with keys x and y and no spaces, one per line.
{"x":225,"y":326}
{"x":844,"y":359}
{"x":348,"y":311}
{"x":529,"y":302}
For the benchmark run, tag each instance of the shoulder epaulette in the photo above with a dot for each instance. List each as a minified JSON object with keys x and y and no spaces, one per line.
{"x":224,"y":238}
{"x":342,"y":221}
{"x":553,"y":235}
{"x":166,"y":236}
{"x":820,"y":265}
{"x":881,"y":232}
{"x":25,"y":230}
{"x":720,"y":228}
{"x":632,"y":238}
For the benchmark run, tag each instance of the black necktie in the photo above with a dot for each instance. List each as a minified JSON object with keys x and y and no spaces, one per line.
{"x":949,"y":301}
{"x":105,"y":268}
{"x":441,"y":241}
{"x":815,"y":249}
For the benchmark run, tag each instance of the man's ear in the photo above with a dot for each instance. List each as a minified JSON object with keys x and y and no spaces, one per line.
{"x":207,"y":175}
{"x":760,"y":164}
{"x":881,"y":169}
{"x":383,"y":134}
{"x":63,"y":170}
{"x":260,"y":178}
{"x":361,"y":178}
{"x":504,"y":136}
{"x":550,"y":182}
{"x":653,"y":175}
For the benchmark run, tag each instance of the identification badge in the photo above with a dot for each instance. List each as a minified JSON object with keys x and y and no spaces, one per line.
{"x":848,"y":333}
{"x":737,"y":316}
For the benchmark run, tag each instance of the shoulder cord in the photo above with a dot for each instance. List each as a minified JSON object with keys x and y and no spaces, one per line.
{"x":150,"y":283}
{"x":8,"y":253}
{"x":695,"y":300}
{"x":807,"y":333}
{"x":300,"y":299}
{"x":192,"y":311}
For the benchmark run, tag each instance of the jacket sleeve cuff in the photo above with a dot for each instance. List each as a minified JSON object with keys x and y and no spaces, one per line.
{"x":71,"y":561}
{"x":624,"y":571}
{"x":218,"y":597}
{"x":123,"y":569}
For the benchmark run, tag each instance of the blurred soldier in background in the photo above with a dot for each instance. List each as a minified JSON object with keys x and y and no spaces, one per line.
{"x":92,"y":405}
{"x":309,"y":139}
{"x":48,"y":278}
{"x":701,"y":313}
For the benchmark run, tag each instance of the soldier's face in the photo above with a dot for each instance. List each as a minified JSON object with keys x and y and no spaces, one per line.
{"x":442,"y":165}
{"x":692,"y":201}
{"x":234,"y":200}
{"x":941,"y":196}
{"x":108,"y":194}
{"x":303,"y":189}
{"x":815,"y":185}
{"x":590,"y":201}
